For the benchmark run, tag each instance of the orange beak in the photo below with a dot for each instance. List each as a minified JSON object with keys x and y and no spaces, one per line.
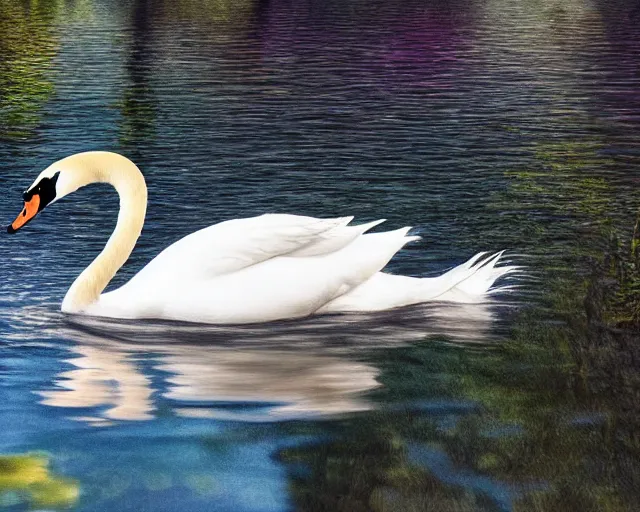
{"x":29,"y":212}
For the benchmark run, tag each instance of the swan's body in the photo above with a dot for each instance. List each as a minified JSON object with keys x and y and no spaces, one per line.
{"x":246,"y":270}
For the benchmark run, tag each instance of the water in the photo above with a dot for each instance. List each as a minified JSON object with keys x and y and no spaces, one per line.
{"x":486,"y":125}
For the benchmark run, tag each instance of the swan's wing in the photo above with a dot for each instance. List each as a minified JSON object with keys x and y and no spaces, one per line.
{"x":278,"y":288}
{"x":239,"y":243}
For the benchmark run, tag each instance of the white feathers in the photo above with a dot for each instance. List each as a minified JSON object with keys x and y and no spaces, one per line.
{"x":285,"y":266}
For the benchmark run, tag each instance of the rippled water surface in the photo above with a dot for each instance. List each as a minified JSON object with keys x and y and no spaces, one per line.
{"x":485,"y":124}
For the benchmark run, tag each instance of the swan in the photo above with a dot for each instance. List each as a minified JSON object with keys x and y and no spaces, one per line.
{"x":259,"y":269}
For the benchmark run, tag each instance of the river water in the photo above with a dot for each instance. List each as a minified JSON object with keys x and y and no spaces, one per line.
{"x":485,"y":124}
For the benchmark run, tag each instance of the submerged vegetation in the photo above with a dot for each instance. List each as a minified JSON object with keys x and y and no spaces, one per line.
{"x":26,"y":478}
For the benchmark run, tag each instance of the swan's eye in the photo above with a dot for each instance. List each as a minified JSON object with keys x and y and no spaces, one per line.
{"x":46,"y":189}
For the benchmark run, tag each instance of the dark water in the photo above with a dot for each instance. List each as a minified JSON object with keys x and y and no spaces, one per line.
{"x":487,"y":125}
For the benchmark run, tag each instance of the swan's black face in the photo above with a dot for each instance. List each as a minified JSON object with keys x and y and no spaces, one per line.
{"x":35,"y":200}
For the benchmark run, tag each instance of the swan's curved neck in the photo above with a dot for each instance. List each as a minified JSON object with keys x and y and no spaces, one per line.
{"x":126,"y":178}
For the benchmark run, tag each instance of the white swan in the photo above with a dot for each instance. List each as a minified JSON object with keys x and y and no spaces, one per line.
{"x":244,"y":270}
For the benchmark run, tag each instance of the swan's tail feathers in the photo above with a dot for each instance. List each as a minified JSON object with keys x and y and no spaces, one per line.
{"x":472,"y":261}
{"x":471,"y":282}
{"x":474,"y":280}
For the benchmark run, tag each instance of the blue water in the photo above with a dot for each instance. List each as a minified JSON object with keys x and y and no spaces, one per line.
{"x":486,"y":125}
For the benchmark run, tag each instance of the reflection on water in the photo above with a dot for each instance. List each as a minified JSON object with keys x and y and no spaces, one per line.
{"x":263,"y":373}
{"x":27,"y":47}
{"x":103,"y":378}
{"x":138,"y":104}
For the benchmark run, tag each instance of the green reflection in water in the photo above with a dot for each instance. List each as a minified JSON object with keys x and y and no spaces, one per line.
{"x":26,"y":478}
{"x":212,"y":11}
{"x":561,"y":199}
{"x":27,"y":48}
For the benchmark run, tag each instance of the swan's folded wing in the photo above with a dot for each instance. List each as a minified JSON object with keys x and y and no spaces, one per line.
{"x":239,"y":243}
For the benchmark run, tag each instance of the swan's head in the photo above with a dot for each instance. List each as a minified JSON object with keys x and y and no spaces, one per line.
{"x":54,"y":183}
{"x":73,"y":172}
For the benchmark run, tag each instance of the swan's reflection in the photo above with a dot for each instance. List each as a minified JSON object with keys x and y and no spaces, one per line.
{"x":128,"y":371}
{"x":102,"y":378}
{"x":209,"y":381}
{"x":294,"y":384}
